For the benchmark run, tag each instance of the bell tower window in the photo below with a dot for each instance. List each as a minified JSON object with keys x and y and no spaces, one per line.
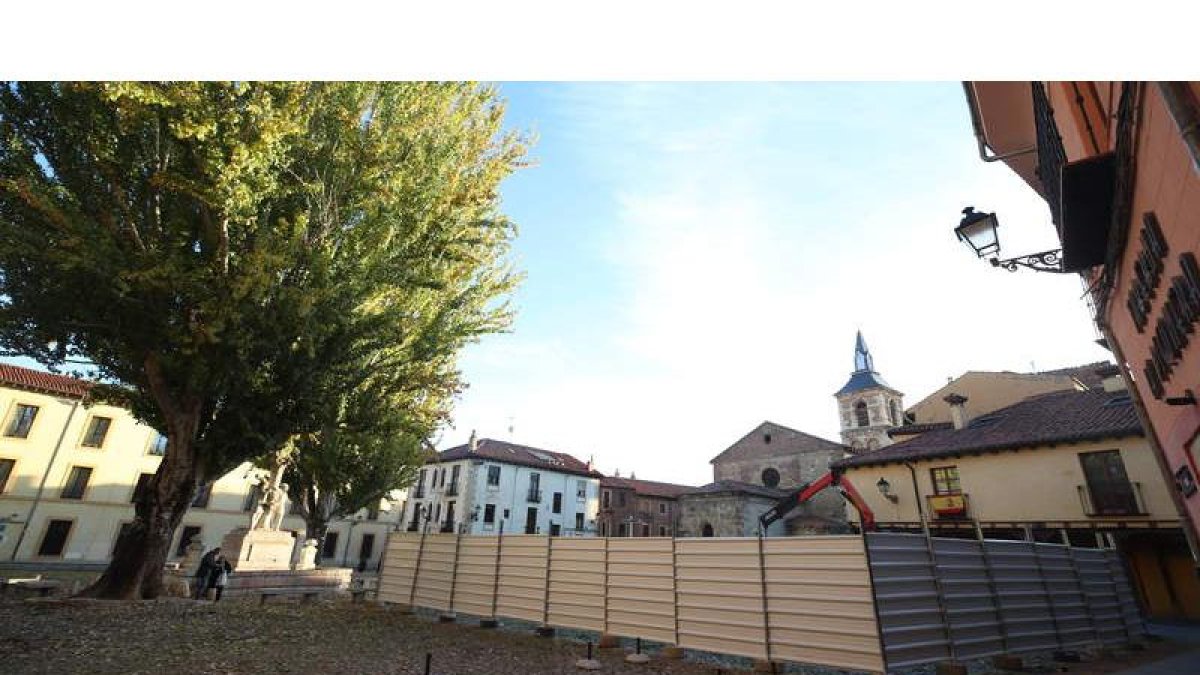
{"x":860,"y":414}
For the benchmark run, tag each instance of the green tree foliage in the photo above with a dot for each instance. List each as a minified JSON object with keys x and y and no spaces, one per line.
{"x":229,"y":256}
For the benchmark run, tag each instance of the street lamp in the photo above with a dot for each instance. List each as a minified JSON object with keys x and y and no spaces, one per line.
{"x":978,"y":231}
{"x":885,"y":489}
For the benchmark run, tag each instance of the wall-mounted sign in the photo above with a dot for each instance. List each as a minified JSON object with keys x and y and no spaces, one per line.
{"x":1176,"y":322}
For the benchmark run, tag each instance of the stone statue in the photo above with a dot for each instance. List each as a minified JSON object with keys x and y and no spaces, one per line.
{"x":271,"y":495}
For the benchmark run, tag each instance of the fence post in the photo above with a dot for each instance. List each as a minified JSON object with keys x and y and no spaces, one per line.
{"x":545,"y":630}
{"x":1083,"y":595}
{"x":492,"y":622}
{"x":675,"y":586}
{"x":454,"y":574}
{"x":992,"y":588}
{"x":940,"y":593}
{"x":874,"y":602}
{"x":762,"y":578}
{"x":412,"y":591}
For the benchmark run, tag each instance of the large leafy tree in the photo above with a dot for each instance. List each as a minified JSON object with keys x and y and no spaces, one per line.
{"x":195,"y":243}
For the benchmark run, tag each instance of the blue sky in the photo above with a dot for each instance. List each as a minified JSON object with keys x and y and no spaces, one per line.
{"x":699,"y":257}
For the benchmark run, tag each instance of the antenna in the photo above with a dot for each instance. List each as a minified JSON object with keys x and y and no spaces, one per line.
{"x":510,"y":427}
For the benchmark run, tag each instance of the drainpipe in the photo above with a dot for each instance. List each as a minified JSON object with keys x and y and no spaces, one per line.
{"x":917,"y":497}
{"x":37,"y":498}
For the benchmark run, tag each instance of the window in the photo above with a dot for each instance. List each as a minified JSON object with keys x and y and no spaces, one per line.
{"x":707,"y":531}
{"x":329,"y":546}
{"x":555,"y":529}
{"x":121,"y":532}
{"x":55,"y":539}
{"x":945,"y":480}
{"x":1107,"y":483}
{"x":6,"y":467}
{"x":453,"y":488}
{"x":622,"y":529}
{"x":76,"y":483}
{"x":603,"y":529}
{"x":489,"y":514}
{"x":645,"y":530}
{"x":662,"y":531}
{"x":581,"y":490}
{"x":662,"y":508}
{"x":190,"y":532}
{"x":203,"y":494}
{"x":366,"y":547}
{"x":143,"y":483}
{"x":767,"y":439}
{"x":621,"y":498}
{"x":419,"y":492}
{"x":770,"y":477}
{"x":96,"y":431}
{"x":158,"y":445}
{"x":579,"y":522}
{"x":493,"y":479}
{"x":437,"y":512}
{"x":556,"y":505}
{"x":607,"y":498}
{"x":861,"y":416}
{"x":21,"y":421}
{"x":895,"y":408}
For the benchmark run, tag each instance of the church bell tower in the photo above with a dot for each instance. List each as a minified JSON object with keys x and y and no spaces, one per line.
{"x":867,"y":405}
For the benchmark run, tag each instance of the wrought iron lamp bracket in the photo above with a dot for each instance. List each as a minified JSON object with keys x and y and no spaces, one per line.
{"x":1046,"y":261}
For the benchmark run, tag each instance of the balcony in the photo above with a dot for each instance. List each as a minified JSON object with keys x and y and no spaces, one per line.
{"x":452,"y":490}
{"x":418,"y":492}
{"x":534,"y":496}
{"x":949,"y":507}
{"x":1120,"y":499}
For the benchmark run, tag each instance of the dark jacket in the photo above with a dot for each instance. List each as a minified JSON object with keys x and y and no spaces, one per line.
{"x":218,"y":566}
{"x":206,"y":564}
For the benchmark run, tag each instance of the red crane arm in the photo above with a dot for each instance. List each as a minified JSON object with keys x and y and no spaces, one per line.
{"x":810,"y":490}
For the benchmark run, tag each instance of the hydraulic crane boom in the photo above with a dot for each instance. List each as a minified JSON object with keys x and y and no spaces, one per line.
{"x":810,"y":490}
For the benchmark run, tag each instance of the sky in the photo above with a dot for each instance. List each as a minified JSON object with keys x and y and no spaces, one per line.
{"x":698,"y":258}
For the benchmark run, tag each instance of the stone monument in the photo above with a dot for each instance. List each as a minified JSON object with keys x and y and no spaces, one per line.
{"x":263,"y":546}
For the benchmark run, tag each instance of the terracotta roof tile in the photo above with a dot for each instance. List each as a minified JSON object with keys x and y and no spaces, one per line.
{"x":511,"y":453}
{"x":1057,"y":417}
{"x":648,"y":488}
{"x":737,"y":487}
{"x":43,"y":382}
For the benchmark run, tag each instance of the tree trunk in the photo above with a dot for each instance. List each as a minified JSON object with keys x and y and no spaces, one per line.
{"x":316,"y":518}
{"x":136,"y":568}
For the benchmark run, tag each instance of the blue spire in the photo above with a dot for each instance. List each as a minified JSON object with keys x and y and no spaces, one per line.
{"x":862,"y":355}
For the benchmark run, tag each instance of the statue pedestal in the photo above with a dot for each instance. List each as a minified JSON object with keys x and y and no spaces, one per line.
{"x":253,"y":550}
{"x":307,"y":559}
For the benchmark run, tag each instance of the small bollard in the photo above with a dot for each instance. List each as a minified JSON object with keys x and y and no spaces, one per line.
{"x":428,"y":662}
{"x":637,"y":656}
{"x":589,"y":663}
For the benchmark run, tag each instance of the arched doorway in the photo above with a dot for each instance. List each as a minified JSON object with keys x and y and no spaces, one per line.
{"x":707,"y":531}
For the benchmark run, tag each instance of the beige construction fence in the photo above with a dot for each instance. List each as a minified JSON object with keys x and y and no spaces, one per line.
{"x":803,"y":599}
{"x":886,"y":600}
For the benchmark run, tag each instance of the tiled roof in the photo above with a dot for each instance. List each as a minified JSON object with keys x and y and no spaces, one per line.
{"x":863,"y":379}
{"x":784,"y":441}
{"x":913,"y":429}
{"x":511,"y":453}
{"x":737,"y":487}
{"x":648,"y":488}
{"x":46,"y":383}
{"x":1086,"y":374}
{"x":1057,"y":417}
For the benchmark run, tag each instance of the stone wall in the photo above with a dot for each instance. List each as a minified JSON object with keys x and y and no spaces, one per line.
{"x":731,"y":515}
{"x":794,"y":470}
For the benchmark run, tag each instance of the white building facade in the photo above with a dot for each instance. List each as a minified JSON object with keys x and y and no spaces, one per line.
{"x":489,"y":486}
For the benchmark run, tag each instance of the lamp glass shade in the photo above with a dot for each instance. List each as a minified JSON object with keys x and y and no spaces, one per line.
{"x":978,"y":230}
{"x":885,"y":487}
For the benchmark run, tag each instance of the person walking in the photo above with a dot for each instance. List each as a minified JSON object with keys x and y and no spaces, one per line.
{"x":204,"y":572}
{"x":219,"y":576}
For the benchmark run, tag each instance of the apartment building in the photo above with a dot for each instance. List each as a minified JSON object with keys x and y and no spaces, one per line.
{"x":487,"y":486}
{"x":639,"y":508}
{"x":71,"y":468}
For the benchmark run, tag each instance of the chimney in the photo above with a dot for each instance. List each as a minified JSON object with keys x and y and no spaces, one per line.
{"x":632,"y":475}
{"x":958,"y":411}
{"x":1110,"y":378}
{"x":472,"y":442}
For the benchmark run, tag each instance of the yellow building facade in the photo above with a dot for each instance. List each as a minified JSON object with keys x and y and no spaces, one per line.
{"x":1067,"y":466}
{"x":69,"y":471}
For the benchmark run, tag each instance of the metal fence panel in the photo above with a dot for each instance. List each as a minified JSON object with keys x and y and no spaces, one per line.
{"x":1100,"y":592}
{"x":576,"y":583}
{"x":1025,"y":610}
{"x":1130,"y":614}
{"x":436,"y":572}
{"x":475,"y":580}
{"x":1072,"y":622}
{"x":910,"y":615}
{"x":721,"y":596}
{"x":819,"y":602}
{"x":641,"y":588}
{"x":523,"y":564}
{"x":967,"y":598}
{"x":400,"y":561}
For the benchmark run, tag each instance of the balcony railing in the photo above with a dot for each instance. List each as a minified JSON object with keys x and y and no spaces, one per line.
{"x":1112,"y":500}
{"x":534,"y":496}
{"x":418,"y":492}
{"x":948,"y":507}
{"x":452,"y":489}
{"x":1050,"y":156}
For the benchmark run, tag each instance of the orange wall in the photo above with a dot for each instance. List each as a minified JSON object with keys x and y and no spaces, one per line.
{"x":1167,"y":184}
